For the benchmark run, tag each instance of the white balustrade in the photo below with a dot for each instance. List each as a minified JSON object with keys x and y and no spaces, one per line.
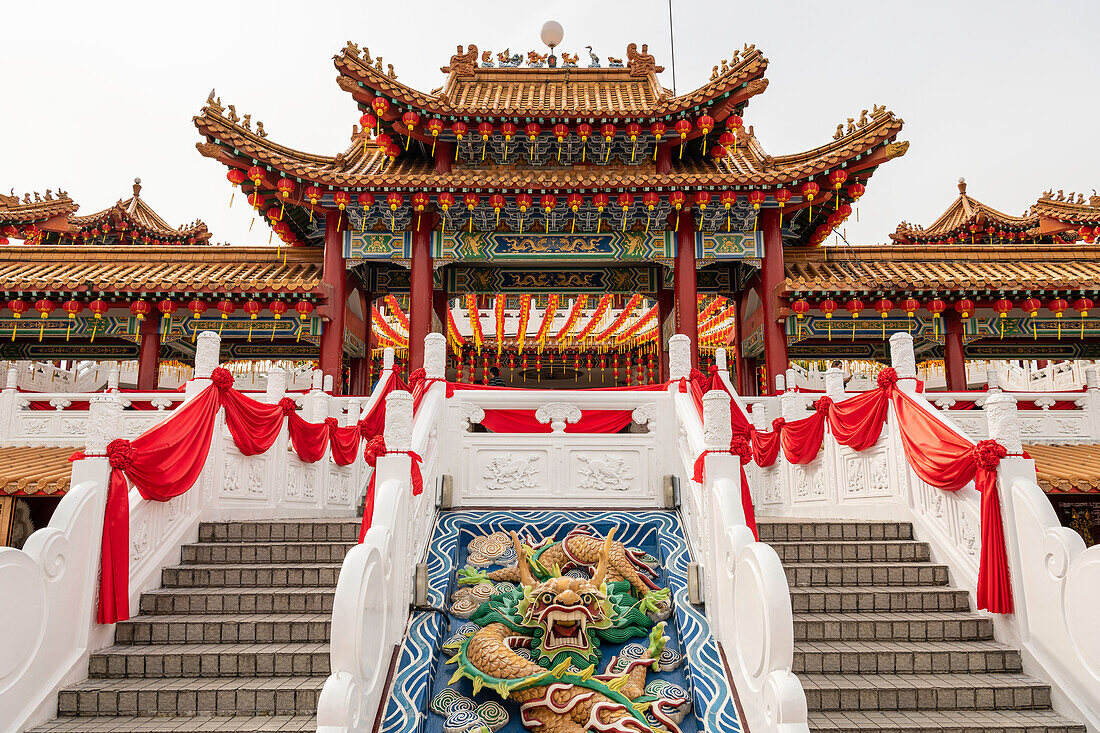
{"x":50,"y":587}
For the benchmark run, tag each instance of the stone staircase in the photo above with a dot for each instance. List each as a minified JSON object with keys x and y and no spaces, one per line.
{"x":884,"y":643}
{"x":235,"y":639}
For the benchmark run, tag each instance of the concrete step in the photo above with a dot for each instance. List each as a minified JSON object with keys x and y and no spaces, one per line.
{"x":313,"y":530}
{"x":834,"y":599}
{"x":251,"y":576}
{"x":210,"y":660}
{"x":204,"y":553}
{"x":788,"y":531}
{"x":945,"y":626}
{"x":925,"y":692}
{"x":248,"y":628}
{"x":953,"y":721}
{"x":188,"y":696}
{"x":865,"y":573}
{"x":904,"y":657}
{"x":195,"y":724}
{"x":840,"y":552}
{"x":235,"y":600}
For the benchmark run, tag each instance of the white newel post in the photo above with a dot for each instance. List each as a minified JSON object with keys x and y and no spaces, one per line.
{"x":904,"y":361}
{"x":780,"y":383}
{"x":834,"y":383}
{"x":352,"y":416}
{"x":720,"y":360}
{"x":992,"y":381}
{"x":393,"y":498}
{"x":207,"y":358}
{"x":1092,"y":401}
{"x":326,"y":385}
{"x":435,"y":356}
{"x":387,"y":358}
{"x":9,"y":401}
{"x":790,"y":403}
{"x":316,"y":402}
{"x":679,"y":356}
{"x":276,"y":385}
{"x":113,"y":375}
{"x":721,"y":488}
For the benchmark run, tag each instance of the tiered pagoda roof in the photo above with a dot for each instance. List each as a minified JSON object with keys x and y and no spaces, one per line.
{"x":968,"y":221}
{"x":1058,"y":213}
{"x":724,"y":157}
{"x":144,"y":225}
{"x":51,"y":220}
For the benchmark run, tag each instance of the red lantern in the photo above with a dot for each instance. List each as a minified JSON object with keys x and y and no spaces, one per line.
{"x":633,"y":130}
{"x":18,"y":307}
{"x":600,"y":201}
{"x":226,"y":308}
{"x":252,"y":308}
{"x":435,"y":128}
{"x":71,"y":307}
{"x":1001,"y":307}
{"x":608,"y":131}
{"x":313,"y":195}
{"x":497,"y":202}
{"x":800,"y":308}
{"x":658,"y":130}
{"x":380,"y":105}
{"x":936,"y":307}
{"x":625,"y":201}
{"x":683,"y":128}
{"x":368,"y":121}
{"x":98,"y":309}
{"x":140,"y":309}
{"x":459,"y":130}
{"x":285,"y":187}
{"x":411,"y":120}
{"x":706,"y":124}
{"x":781,"y":196}
{"x":1058,"y":306}
{"x":964,"y":307}
{"x":1031,"y":307}
{"x":44,"y":307}
{"x":303,"y":308}
{"x":277,"y":308}
{"x":395,"y":201}
{"x":702,"y":199}
{"x":342,"y":199}
{"x":236,"y":176}
{"x":756,"y":198}
{"x":884,"y":306}
{"x":366,"y":200}
{"x":1082,"y":306}
{"x":485,"y":130}
{"x":197,"y":308}
{"x":828,"y":307}
{"x":809,"y":190}
{"x":547,"y":203}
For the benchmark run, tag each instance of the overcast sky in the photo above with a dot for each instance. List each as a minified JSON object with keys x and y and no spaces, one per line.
{"x":1001,"y":92}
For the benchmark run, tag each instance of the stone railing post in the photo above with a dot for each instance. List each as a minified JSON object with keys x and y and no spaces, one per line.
{"x":326,"y":385}
{"x":104,"y":425}
{"x":720,"y":360}
{"x":1092,"y":400}
{"x":9,"y":403}
{"x":789,"y":378}
{"x":435,"y":356}
{"x":207,"y":358}
{"x":679,"y":356}
{"x":992,"y":380}
{"x":276,"y":385}
{"x":759,"y":417}
{"x":353,"y":412}
{"x":780,"y":383}
{"x":1004,"y":422}
{"x":113,"y":375}
{"x":399,"y":421}
{"x":387,"y":358}
{"x":316,"y":380}
{"x":904,"y":361}
{"x":834,"y":383}
{"x":790,"y":406}
{"x":717,"y":430}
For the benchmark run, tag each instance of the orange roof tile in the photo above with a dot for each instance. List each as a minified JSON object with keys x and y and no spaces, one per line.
{"x":1067,"y":210}
{"x":1067,"y":468}
{"x":631,"y":91}
{"x":35,"y":470}
{"x":913,"y":268}
{"x":172,"y":269}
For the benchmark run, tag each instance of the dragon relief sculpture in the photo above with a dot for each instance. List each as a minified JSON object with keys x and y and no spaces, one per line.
{"x":535,"y":637}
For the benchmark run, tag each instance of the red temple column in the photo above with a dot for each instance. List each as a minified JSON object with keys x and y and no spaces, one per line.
{"x":666,"y":300}
{"x":444,"y":154}
{"x":664,"y":159}
{"x":772,"y":277}
{"x":359,"y":383}
{"x":334,"y":276}
{"x":149,"y":356}
{"x":954,"y":362}
{"x":734,"y":360}
{"x":687,"y":304}
{"x":420,"y":292}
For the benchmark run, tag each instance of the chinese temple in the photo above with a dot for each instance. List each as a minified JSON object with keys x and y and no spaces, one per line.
{"x":571,"y":458}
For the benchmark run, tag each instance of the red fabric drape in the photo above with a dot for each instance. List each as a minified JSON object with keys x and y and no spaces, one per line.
{"x":802,"y":439}
{"x":946,"y":460}
{"x":253,"y":425}
{"x":523,"y":421}
{"x":765,"y":447}
{"x":166,"y":460}
{"x":857,"y":421}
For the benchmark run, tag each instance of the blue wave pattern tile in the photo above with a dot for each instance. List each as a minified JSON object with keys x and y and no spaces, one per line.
{"x":421,"y":674}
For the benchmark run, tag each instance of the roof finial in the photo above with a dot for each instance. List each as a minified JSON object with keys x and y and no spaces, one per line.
{"x":962,"y":185}
{"x":551,"y":34}
{"x":137,"y":186}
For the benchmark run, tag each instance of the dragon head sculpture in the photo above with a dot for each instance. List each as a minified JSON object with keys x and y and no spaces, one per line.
{"x":563,"y":613}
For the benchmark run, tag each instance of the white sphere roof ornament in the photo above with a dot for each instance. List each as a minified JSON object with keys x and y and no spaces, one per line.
{"x":552,"y":33}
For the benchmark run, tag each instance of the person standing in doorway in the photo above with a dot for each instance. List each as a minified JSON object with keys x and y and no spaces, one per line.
{"x":494,"y":378}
